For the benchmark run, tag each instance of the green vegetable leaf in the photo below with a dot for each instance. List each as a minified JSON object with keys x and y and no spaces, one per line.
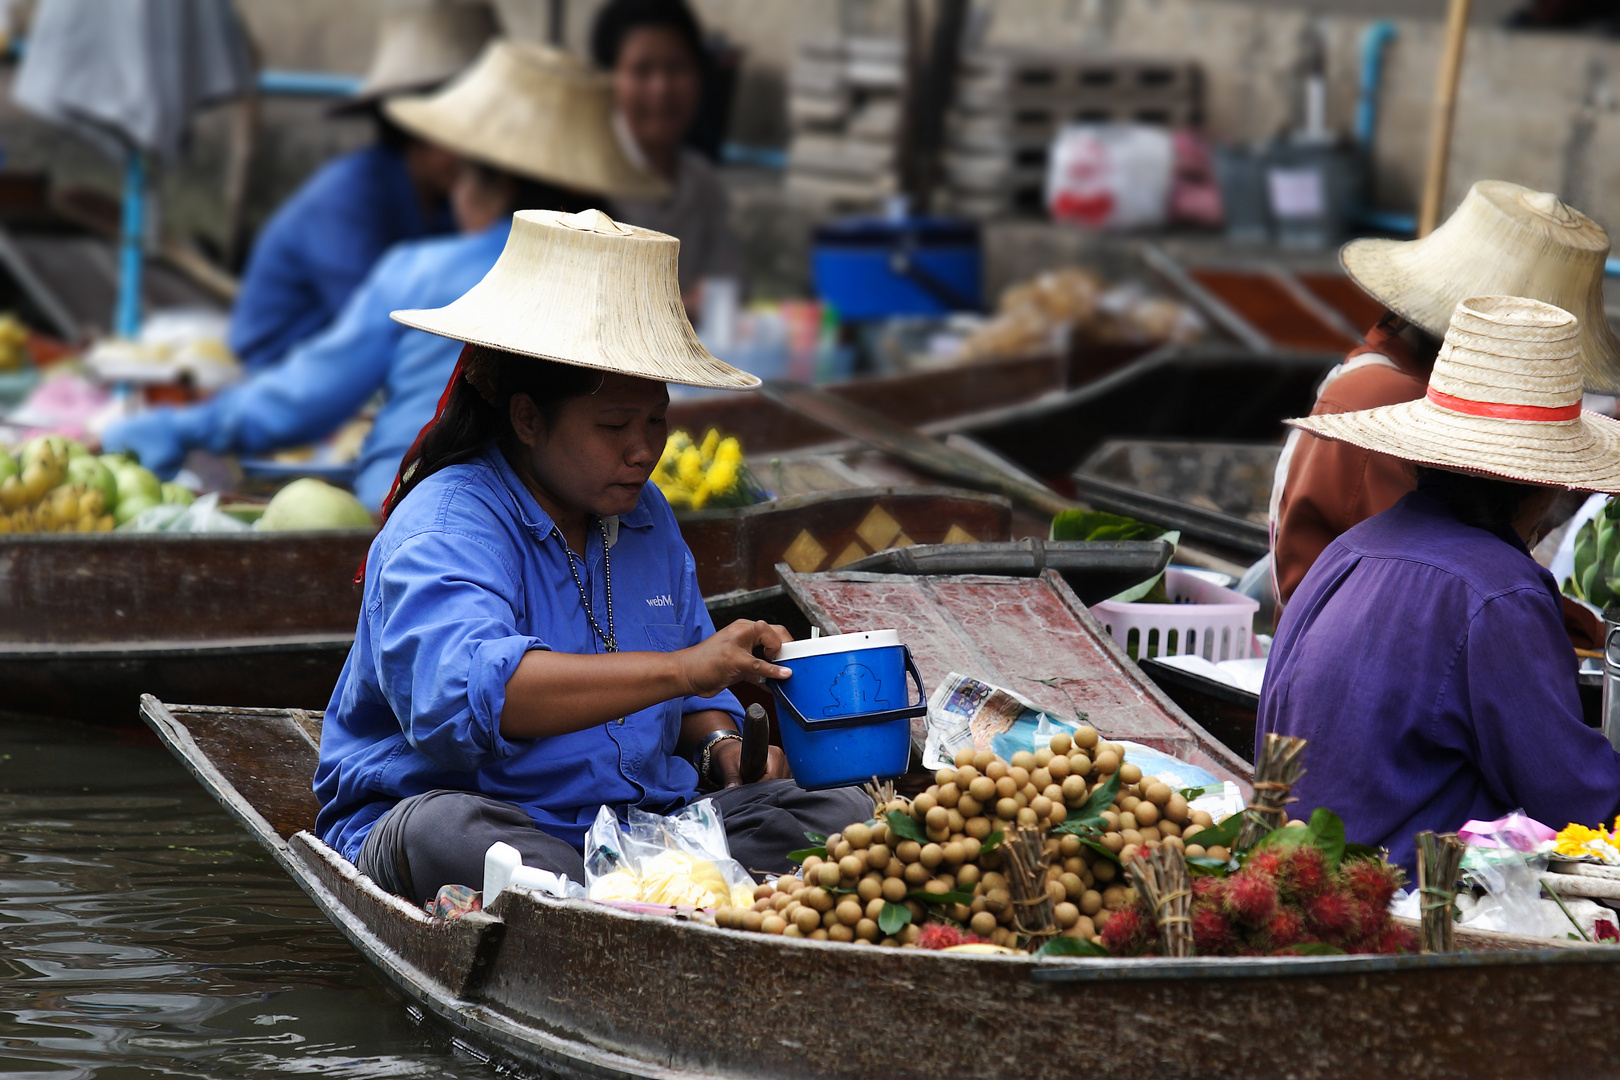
{"x":922,"y":896}
{"x":1310,"y":948}
{"x":893,"y":917}
{"x":1101,"y":525}
{"x":1068,"y":946}
{"x":991,"y":842}
{"x":804,"y":853}
{"x":1327,"y":835}
{"x":905,"y":826}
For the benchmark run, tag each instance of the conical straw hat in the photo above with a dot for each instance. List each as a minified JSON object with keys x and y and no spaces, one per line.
{"x":1504,"y":240}
{"x":421,"y":45}
{"x":584,"y":289}
{"x":1504,"y":400}
{"x":532,"y":110}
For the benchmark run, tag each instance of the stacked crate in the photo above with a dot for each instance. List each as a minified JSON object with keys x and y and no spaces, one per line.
{"x":1011,"y":103}
{"x":844,"y":107}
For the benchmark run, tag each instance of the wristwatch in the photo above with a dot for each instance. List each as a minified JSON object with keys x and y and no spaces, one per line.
{"x":703,"y":756}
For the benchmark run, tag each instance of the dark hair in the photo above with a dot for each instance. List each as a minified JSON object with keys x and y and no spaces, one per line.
{"x":390,"y":136}
{"x":530,"y":194}
{"x":618,"y":18}
{"x":1481,"y":501}
{"x":479,"y":410}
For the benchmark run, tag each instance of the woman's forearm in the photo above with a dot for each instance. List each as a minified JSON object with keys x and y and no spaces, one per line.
{"x":554,"y":693}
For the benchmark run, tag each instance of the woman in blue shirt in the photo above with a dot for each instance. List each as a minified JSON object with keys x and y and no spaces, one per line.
{"x":533,"y":645}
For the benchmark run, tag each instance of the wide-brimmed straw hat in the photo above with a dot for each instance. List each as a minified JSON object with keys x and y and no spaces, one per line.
{"x":586,"y":290}
{"x":532,"y":110}
{"x":420,"y":45}
{"x":1503,"y":240}
{"x":1504,"y":400}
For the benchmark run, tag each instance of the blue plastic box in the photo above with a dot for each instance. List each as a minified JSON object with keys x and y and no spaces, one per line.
{"x":845,"y":715}
{"x":875,"y":268}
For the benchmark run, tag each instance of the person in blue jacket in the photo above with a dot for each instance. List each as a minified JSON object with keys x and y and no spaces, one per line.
{"x":555,"y":114}
{"x":321,"y":243}
{"x":532,"y":644}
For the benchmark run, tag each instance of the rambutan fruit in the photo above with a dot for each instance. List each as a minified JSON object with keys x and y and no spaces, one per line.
{"x":1333,"y":916}
{"x":1212,"y":933}
{"x":1250,"y":896}
{"x":1266,"y":861}
{"x":1304,"y":872}
{"x":1372,"y":881}
{"x":1128,"y":933}
{"x":941,"y":936}
{"x":1285,"y":927}
{"x":1393,"y":939}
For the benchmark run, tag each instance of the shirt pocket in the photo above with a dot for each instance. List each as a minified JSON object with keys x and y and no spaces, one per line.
{"x":665,"y":637}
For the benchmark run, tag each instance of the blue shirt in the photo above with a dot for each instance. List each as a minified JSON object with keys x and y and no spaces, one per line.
{"x":318,"y":247}
{"x":1426,"y":661}
{"x":324,"y":381}
{"x":468,"y":575}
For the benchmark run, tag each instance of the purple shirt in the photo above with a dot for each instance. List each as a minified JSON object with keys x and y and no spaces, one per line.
{"x":1427,"y":663}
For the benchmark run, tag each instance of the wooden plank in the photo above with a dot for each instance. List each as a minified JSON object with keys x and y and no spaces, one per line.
{"x":1030,"y":635}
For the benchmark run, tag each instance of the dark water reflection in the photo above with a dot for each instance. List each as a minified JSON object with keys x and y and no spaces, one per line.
{"x":142,"y":934}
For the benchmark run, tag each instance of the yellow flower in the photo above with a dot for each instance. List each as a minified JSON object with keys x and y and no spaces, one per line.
{"x":1579,"y":840}
{"x":710,"y":442}
{"x":721,"y":478}
{"x":729,"y":450}
{"x":690,"y":467}
{"x":700,"y":497}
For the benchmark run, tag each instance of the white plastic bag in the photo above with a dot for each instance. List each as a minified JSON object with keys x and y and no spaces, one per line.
{"x":1110,"y":176}
{"x":681,"y":860}
{"x":202,"y":516}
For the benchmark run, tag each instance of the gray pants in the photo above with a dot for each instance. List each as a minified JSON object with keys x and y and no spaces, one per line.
{"x":439,"y":837}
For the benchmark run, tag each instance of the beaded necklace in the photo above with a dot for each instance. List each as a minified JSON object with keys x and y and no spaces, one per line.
{"x":611,"y":638}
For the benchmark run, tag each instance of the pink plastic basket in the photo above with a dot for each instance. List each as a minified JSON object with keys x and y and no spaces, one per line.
{"x":1205,"y":620}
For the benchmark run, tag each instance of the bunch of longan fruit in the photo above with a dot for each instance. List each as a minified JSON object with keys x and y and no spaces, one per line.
{"x":841,"y":897}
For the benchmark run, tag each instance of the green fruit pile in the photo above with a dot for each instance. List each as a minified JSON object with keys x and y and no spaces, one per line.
{"x":54,"y":484}
{"x":1597,"y":559}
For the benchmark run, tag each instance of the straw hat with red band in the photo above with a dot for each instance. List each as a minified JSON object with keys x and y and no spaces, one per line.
{"x":1504,"y":400}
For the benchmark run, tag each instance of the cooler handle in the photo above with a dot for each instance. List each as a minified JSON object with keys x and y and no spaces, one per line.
{"x":863,"y":719}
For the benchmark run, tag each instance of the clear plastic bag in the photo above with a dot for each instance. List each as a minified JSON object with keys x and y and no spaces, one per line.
{"x":679,"y":860}
{"x":1507,"y":859}
{"x":202,"y":516}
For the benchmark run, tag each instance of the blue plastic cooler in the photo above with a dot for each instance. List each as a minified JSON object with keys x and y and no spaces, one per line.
{"x":874,"y":268}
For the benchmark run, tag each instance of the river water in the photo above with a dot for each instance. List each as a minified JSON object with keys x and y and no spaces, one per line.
{"x":143,"y":934}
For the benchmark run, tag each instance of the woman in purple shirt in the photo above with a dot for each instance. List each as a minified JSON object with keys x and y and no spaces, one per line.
{"x":1424,"y":654}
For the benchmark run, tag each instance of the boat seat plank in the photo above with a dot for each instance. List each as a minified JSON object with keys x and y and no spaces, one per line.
{"x":1030,"y":635}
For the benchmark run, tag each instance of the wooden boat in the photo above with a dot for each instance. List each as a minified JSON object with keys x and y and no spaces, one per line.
{"x":574,"y":989}
{"x":89,"y":622}
{"x":1219,"y":492}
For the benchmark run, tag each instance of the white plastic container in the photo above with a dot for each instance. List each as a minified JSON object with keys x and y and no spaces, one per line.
{"x":1205,"y":620}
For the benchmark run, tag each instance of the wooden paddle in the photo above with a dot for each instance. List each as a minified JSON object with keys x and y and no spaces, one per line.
{"x":913,"y":447}
{"x":1445,"y":108}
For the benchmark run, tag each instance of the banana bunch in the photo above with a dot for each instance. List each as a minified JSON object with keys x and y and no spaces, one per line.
{"x":13,"y":343}
{"x":37,"y":500}
{"x":707,"y":474}
{"x":64,"y":508}
{"x":1597,"y":559}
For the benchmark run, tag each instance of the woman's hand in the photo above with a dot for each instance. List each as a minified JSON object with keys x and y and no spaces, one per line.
{"x":725,"y":763}
{"x":728,"y":657}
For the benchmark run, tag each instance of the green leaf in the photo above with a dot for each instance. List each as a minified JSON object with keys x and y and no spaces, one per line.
{"x":804,"y":853}
{"x":1310,"y":948}
{"x":1101,"y":525}
{"x":893,"y":917}
{"x":992,"y":841}
{"x":1081,"y":826}
{"x":924,"y":897}
{"x":1223,"y":835}
{"x":905,"y":826}
{"x":1204,"y":866}
{"x":1279,"y":838}
{"x":1327,"y":835}
{"x":816,"y":838}
{"x":1191,"y":793}
{"x":1068,"y":946}
{"x":1095,"y":844}
{"x":1102,"y":798}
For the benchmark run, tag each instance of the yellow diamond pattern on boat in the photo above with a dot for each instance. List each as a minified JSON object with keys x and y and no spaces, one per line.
{"x":959,"y":535}
{"x":902,"y":541}
{"x":878,"y":528}
{"x":805,"y":554}
{"x":850,"y":554}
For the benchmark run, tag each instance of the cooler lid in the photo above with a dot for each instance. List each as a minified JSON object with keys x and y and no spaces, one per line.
{"x":837,"y":643}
